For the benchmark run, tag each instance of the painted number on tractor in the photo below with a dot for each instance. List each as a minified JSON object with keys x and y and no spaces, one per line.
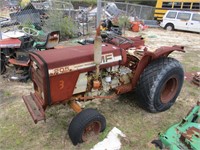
{"x":61,"y":84}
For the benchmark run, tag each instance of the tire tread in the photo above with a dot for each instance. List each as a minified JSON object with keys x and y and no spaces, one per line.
{"x":81,"y":120}
{"x":150,"y":78}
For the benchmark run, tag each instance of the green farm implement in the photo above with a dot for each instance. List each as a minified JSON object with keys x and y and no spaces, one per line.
{"x":184,"y":135}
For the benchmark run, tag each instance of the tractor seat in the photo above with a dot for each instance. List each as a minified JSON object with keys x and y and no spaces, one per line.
{"x":51,"y":41}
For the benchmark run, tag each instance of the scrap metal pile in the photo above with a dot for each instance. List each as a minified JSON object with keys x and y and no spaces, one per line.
{"x":16,"y":46}
{"x":196,"y":79}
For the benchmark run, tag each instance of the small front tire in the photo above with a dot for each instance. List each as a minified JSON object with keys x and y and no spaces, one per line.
{"x":87,"y":122}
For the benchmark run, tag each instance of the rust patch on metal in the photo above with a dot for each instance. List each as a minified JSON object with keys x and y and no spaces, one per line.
{"x":96,"y":84}
{"x":188,"y":135}
{"x":123,"y":88}
{"x":190,"y":132}
{"x":19,"y":62}
{"x":138,"y":41}
{"x":92,"y":128}
{"x":196,"y":79}
{"x":169,"y":90}
{"x":35,"y":108}
{"x":75,"y":106}
{"x":85,"y":98}
{"x":193,"y":78}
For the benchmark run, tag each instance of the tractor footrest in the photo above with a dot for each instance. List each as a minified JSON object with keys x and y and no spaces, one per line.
{"x":34,"y":107}
{"x":19,"y":62}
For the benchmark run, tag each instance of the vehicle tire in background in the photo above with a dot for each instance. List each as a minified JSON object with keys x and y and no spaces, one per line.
{"x":3,"y":64}
{"x":160,"y":84}
{"x":169,"y":27}
{"x":87,"y":122}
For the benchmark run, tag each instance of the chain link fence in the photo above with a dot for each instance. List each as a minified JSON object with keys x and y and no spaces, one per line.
{"x":50,"y":16}
{"x":134,"y":10}
{"x":62,"y":16}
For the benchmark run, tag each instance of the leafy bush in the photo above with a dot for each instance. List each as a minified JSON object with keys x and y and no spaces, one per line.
{"x":124,"y":21}
{"x":65,"y":25}
{"x":23,"y":3}
{"x":84,"y":3}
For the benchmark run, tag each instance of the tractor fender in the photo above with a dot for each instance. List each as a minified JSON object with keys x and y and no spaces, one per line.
{"x":165,"y":51}
{"x":150,"y":56}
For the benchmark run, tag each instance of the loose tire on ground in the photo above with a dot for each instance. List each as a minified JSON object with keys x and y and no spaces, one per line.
{"x":84,"y":123}
{"x":160,"y":84}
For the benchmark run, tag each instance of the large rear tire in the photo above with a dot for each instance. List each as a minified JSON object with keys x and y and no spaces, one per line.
{"x":87,"y":122}
{"x":160,"y":84}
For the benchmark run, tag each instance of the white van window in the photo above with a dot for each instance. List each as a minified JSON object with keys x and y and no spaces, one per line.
{"x":196,"y":17}
{"x":183,"y":16}
{"x":171,"y":15}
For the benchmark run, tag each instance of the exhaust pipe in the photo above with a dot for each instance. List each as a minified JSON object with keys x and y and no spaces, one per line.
{"x":97,"y":53}
{"x":97,"y":57}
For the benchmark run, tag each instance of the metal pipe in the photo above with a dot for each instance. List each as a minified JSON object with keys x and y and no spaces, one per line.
{"x":98,"y":41}
{"x":98,"y":12}
{"x":0,"y":33}
{"x":97,"y":54}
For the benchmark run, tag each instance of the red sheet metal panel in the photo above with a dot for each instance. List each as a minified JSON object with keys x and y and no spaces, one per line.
{"x":10,"y":43}
{"x":19,"y":62}
{"x":62,"y":86}
{"x":74,"y":55}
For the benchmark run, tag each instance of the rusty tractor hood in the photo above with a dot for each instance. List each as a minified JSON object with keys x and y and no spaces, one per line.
{"x":55,"y":58}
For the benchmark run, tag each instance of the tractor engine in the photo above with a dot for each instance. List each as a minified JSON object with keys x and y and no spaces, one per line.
{"x":109,"y":79}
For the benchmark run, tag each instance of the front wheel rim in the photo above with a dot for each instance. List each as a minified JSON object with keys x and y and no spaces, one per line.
{"x":92,"y":128}
{"x":169,"y":90}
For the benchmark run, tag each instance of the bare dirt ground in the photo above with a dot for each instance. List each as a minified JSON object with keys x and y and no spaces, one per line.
{"x":18,"y":131}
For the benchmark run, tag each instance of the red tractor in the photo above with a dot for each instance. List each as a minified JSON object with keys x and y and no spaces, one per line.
{"x":81,"y":73}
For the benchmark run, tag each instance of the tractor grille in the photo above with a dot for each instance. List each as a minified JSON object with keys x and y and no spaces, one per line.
{"x":38,"y":80}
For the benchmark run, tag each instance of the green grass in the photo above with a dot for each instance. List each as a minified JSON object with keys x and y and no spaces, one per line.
{"x":140,"y":127}
{"x":7,"y":94}
{"x":191,"y":61}
{"x":105,"y":132}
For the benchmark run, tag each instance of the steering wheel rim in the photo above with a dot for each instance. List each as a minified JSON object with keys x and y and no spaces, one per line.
{"x":30,"y":31}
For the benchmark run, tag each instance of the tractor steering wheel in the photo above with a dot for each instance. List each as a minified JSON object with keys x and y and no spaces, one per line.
{"x":30,"y":31}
